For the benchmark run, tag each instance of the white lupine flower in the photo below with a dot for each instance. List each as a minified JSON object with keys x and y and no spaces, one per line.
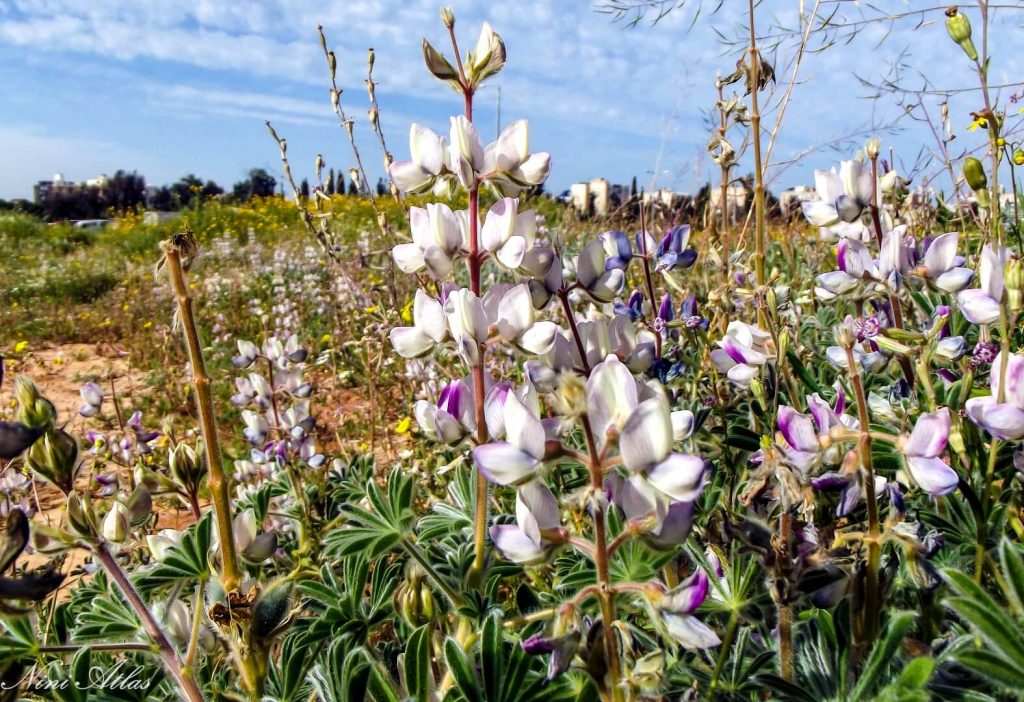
{"x":741,"y":353}
{"x":427,"y":331}
{"x":467,"y":322}
{"x":429,"y":155}
{"x":508,"y":233}
{"x":516,"y":322}
{"x":437,"y":235}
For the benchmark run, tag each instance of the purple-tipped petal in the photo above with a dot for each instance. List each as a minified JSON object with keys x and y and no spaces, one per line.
{"x":679,"y":476}
{"x":690,"y":632}
{"x":932,"y":475}
{"x":930,"y":435}
{"x":797,"y":430}
{"x":504,"y":464}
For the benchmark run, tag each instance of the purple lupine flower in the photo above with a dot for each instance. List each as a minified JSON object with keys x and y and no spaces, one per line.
{"x":942,"y":267}
{"x":92,"y":396}
{"x":617,"y":250}
{"x":802,"y":448}
{"x":741,"y":352}
{"x":247,"y":354}
{"x":1003,"y":420}
{"x":517,"y":459}
{"x":923,"y":449}
{"x":452,"y":418}
{"x":664,"y":314}
{"x":633,"y":308}
{"x":981,"y":305}
{"x":984,"y":353}
{"x":690,"y":315}
{"x":677,"y":607}
{"x":672,"y":252}
{"x":538,"y":528}
{"x":562,"y":649}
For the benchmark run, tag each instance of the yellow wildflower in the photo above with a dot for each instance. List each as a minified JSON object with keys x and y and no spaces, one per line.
{"x":403,"y":426}
{"x":20,"y":346}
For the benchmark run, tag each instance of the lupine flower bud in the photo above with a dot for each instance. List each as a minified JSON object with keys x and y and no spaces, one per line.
{"x":873,"y":147}
{"x":845,"y":333}
{"x":116,"y":524}
{"x":177,"y":619}
{"x":34,"y":410}
{"x":55,"y":458}
{"x":188,"y":466}
{"x":959,"y":29}
{"x":81,"y":517}
{"x":448,"y":17}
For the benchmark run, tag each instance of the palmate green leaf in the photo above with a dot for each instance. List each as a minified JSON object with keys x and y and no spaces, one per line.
{"x":1013,"y":574}
{"x":419,"y":678}
{"x":986,"y":618}
{"x":882,"y":654}
{"x":993,"y":667}
{"x":374,"y":533}
{"x":491,"y":657}
{"x":287,"y":675}
{"x":466,"y":681}
{"x":189,"y":560}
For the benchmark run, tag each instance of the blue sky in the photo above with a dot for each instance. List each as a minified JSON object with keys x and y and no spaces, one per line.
{"x":168,"y":87}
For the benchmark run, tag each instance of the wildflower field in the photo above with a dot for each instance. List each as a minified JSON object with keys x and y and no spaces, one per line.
{"x":460,"y":443}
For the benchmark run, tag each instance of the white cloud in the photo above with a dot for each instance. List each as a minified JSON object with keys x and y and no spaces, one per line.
{"x":580,"y":78}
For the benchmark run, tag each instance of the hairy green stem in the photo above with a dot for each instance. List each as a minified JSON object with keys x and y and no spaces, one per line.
{"x":869,"y":616}
{"x":217,"y":480}
{"x":186,"y":684}
{"x":606,"y":591}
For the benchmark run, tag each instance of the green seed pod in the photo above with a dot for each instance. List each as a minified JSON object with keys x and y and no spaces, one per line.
{"x":959,"y":29}
{"x":974,"y":174}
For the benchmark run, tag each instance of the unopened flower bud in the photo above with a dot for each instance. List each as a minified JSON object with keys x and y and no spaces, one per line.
{"x":81,"y":517}
{"x":959,"y":29}
{"x":415,"y":600}
{"x":757,"y":389}
{"x":177,"y":619}
{"x":873,"y":148}
{"x":370,"y":58}
{"x":116,"y":524}
{"x":1018,"y":157}
{"x":270,"y":610}
{"x":34,"y":410}
{"x":186,"y":467}
{"x":448,"y":17}
{"x":55,"y":458}
{"x":845,"y":332}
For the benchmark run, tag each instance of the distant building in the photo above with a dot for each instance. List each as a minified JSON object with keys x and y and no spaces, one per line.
{"x":600,"y":195}
{"x":579,"y":193}
{"x":42,"y":189}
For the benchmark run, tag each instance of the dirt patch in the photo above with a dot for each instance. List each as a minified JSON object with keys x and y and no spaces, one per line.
{"x":60,"y":371}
